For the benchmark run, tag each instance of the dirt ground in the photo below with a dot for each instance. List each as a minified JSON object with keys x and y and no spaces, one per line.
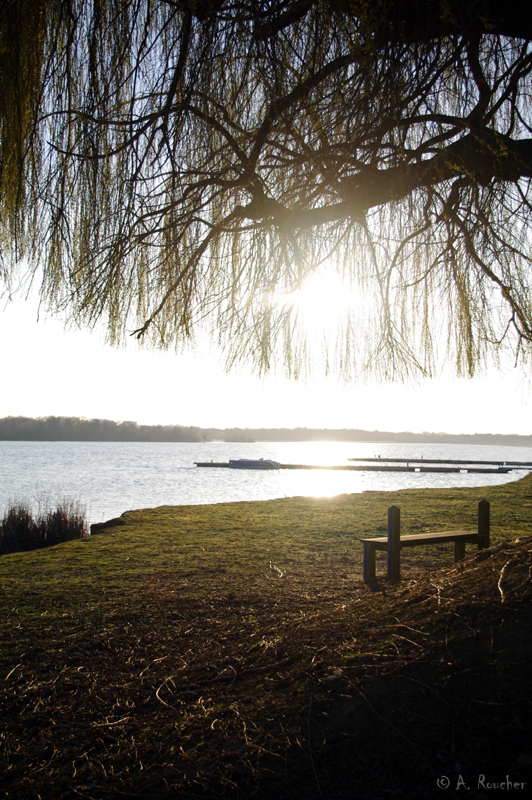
{"x":313,"y":687}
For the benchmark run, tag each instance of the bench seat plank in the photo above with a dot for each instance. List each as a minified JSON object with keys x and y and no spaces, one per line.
{"x":411,"y":540}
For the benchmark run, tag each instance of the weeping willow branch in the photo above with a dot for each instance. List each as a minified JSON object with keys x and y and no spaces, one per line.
{"x":176,"y":167}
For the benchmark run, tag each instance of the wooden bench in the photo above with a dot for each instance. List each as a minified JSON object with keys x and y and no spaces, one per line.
{"x":394,"y":542}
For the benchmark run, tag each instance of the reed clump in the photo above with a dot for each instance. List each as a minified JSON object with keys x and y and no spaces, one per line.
{"x":20,"y":531}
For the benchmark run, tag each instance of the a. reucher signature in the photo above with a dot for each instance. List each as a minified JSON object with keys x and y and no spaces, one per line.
{"x":444,"y":782}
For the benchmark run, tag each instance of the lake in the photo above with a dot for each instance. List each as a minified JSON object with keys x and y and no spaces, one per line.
{"x":108,"y":478}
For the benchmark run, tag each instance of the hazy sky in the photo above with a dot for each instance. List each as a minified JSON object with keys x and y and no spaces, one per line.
{"x":49,"y":371}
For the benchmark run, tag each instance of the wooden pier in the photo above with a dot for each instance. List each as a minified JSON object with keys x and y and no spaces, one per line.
{"x":382,"y":466}
{"x":387,"y":460}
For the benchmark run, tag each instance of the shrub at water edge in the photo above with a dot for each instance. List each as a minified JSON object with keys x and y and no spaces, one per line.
{"x":19,"y":531}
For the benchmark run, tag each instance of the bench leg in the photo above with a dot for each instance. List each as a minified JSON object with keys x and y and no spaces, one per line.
{"x":369,"y":561}
{"x":394,"y":543}
{"x":483,"y":524}
{"x":459,"y":550}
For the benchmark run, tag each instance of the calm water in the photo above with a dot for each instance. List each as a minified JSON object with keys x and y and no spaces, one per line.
{"x":109,"y":478}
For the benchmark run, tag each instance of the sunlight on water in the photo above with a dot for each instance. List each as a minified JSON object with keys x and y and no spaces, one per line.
{"x":110,"y":478}
{"x":317,"y":483}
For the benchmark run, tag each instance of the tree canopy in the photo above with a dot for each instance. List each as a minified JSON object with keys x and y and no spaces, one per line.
{"x":175,"y":165}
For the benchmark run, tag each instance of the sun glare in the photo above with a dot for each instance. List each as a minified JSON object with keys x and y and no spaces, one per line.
{"x":323,"y":301}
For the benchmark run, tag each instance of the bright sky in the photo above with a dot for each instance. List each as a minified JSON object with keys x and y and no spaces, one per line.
{"x":47,"y":370}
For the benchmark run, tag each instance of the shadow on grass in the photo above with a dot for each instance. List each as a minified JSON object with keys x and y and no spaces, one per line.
{"x":233,"y":652}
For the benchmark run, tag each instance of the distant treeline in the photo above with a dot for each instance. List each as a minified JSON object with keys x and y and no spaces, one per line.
{"x":78,"y":429}
{"x":356,"y":435}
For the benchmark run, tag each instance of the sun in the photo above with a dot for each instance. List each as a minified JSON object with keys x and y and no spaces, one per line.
{"x":324,"y":301}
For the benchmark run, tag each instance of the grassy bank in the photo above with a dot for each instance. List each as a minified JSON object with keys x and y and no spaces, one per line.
{"x":234,"y":651}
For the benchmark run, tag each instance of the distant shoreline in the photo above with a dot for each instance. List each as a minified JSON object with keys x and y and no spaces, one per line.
{"x":78,"y":429}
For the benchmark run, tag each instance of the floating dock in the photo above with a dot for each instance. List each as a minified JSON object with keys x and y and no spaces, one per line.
{"x":382,"y":466}
{"x":387,"y":460}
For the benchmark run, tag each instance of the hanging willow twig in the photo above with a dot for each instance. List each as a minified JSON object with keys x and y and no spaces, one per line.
{"x":169,"y":168}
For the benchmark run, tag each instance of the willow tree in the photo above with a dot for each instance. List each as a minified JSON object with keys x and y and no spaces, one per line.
{"x":176,"y":166}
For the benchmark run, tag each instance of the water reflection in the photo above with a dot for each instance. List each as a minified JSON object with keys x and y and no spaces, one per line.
{"x":323,"y":483}
{"x":110,"y":478}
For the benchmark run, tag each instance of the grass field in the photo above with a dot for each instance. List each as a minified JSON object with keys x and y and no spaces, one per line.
{"x":233,"y":651}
